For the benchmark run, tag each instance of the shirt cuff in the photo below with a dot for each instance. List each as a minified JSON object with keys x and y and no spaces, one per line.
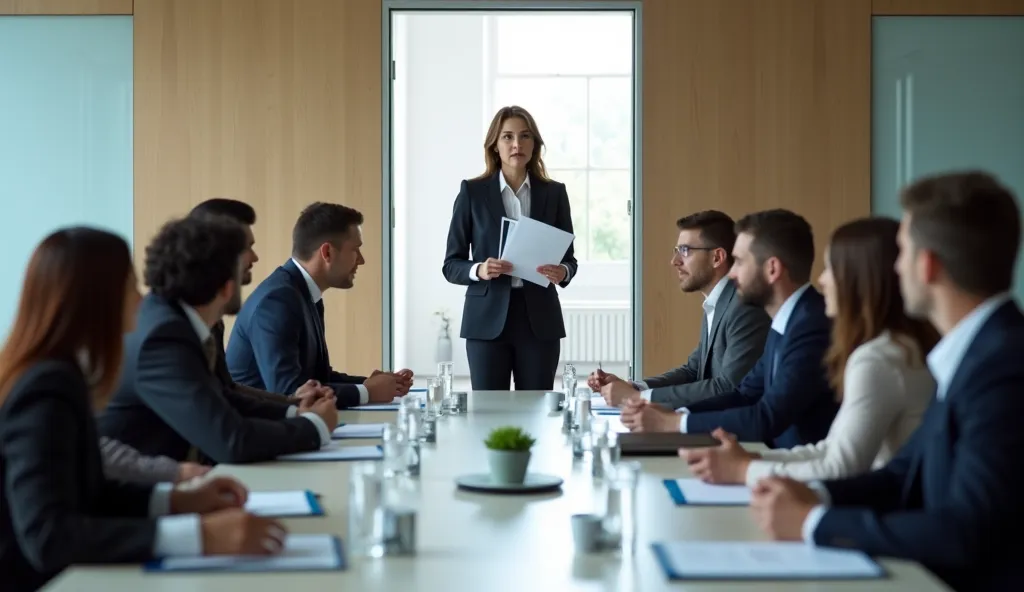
{"x":811,"y":523}
{"x":472,"y":272}
{"x":364,"y":394}
{"x":640,"y":385}
{"x":291,"y":412}
{"x":568,"y":272}
{"x":645,"y":394}
{"x":682,"y":422}
{"x":160,"y":500}
{"x":321,"y":427}
{"x":178,"y":536}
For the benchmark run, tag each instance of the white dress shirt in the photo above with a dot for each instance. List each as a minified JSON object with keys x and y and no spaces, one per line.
{"x":710,"y":302}
{"x":517,"y":205}
{"x":943,"y":361}
{"x":886,"y":390}
{"x":779,"y":323}
{"x":317,"y":295}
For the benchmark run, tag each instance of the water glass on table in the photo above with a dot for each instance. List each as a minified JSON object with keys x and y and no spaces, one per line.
{"x":620,"y":519}
{"x":366,"y":491}
{"x":444,"y":372}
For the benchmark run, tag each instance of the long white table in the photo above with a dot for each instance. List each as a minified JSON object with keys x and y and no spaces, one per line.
{"x":472,"y":542}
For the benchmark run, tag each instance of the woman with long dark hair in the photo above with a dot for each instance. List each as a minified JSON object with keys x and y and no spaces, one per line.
{"x":58,"y":366}
{"x":876,"y":364}
{"x":512,"y":328}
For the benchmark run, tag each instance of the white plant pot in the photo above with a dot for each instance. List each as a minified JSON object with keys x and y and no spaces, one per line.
{"x":508,"y":467}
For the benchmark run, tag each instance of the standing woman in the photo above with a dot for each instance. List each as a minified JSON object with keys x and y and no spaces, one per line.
{"x":511,"y":327}
{"x":58,"y":366}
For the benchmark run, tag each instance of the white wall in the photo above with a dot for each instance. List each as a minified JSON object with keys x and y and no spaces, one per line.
{"x":442,"y":105}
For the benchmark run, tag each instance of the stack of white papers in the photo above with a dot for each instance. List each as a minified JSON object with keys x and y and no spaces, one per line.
{"x":530,"y":244}
{"x":302,"y":552}
{"x":694,"y":492}
{"x":335,"y":451}
{"x":283,"y":504}
{"x":359,"y":430}
{"x":721,"y":560}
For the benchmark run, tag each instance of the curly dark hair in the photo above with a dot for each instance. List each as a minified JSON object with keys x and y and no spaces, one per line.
{"x":192,"y":258}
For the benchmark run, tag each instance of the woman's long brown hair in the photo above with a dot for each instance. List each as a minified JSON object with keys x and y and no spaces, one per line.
{"x":862,"y":254}
{"x":492,"y":159}
{"x":72,"y":304}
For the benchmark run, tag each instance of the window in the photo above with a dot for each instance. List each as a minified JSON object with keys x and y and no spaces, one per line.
{"x":578,"y":85}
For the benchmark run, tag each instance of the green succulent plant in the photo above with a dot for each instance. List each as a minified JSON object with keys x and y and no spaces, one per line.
{"x":509,"y":438}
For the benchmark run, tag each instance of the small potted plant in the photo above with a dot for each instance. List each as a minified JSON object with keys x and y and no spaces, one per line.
{"x":508,"y":450}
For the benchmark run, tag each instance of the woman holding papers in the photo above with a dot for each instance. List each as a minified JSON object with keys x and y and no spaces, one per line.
{"x":59,"y":364}
{"x":876,"y":365}
{"x":512,"y":326}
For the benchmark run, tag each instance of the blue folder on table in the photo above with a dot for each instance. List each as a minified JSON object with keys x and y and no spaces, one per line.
{"x":762,"y":560}
{"x":302,"y":552}
{"x":335,"y":451}
{"x":694,"y":492}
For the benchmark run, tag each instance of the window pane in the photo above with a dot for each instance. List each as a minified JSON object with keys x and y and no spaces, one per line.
{"x":609,"y":237}
{"x":611,"y":116}
{"x":576,"y":187}
{"x":564,"y":43}
{"x":559,"y":105}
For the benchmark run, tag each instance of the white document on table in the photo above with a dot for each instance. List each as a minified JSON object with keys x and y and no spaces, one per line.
{"x":530,"y":244}
{"x":302,"y":552}
{"x":359,"y":430}
{"x":694,"y":492}
{"x":335,"y":451}
{"x":283,"y":504}
{"x":730,"y":560}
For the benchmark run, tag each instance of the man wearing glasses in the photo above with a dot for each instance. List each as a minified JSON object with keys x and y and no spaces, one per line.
{"x":732,"y":334}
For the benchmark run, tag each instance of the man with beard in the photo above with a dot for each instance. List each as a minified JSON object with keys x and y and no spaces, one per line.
{"x":279,"y":340}
{"x":169,"y":401}
{"x":732,"y":333}
{"x":786,"y":399}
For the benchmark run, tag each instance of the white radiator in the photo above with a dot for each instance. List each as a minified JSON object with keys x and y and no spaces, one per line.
{"x":597,"y":333}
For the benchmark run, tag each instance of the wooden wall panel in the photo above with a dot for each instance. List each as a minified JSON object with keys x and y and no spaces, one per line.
{"x":747,"y":106}
{"x":56,"y":7}
{"x":948,"y":7}
{"x":275,"y":103}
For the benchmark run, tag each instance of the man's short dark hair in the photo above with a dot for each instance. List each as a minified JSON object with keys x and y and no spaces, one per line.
{"x":192,"y":258}
{"x":782,"y":234}
{"x":238,"y":211}
{"x":320,"y":223}
{"x":717,"y":229}
{"x":971,"y":222}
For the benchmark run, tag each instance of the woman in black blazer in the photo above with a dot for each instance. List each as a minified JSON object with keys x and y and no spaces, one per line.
{"x":58,"y":366}
{"x":512,"y":327}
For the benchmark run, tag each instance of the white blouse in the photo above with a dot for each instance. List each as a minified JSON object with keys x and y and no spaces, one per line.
{"x":886,"y":389}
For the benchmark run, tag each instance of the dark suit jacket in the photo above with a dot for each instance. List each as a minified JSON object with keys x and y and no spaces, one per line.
{"x":794,"y":407}
{"x":950,"y":498}
{"x":224,"y":375}
{"x":57,"y":507}
{"x":168,"y":400}
{"x":721,"y":360}
{"x":476,"y":226}
{"x":278,"y":342}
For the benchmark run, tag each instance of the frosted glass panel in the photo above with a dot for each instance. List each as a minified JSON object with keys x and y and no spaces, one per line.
{"x":65,"y":133}
{"x":948,"y":94}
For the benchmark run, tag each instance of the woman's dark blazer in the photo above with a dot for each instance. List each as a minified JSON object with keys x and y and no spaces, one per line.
{"x":56,"y":506}
{"x":476,"y":222}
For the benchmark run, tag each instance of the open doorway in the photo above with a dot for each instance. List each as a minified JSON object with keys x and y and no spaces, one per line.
{"x":449,"y":72}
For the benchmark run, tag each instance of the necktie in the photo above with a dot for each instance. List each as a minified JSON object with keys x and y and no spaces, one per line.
{"x":210,"y":350}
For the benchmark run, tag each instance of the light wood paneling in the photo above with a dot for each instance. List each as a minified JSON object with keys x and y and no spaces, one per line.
{"x":55,"y":7}
{"x":273,"y":102}
{"x":747,"y":106}
{"x":948,"y":7}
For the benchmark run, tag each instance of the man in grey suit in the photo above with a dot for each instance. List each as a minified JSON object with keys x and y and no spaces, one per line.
{"x":732,"y":335}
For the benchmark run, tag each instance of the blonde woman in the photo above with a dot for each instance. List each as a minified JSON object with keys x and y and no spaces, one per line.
{"x":512,"y":328}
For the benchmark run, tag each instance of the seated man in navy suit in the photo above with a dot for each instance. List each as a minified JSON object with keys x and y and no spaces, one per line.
{"x":950,"y":498}
{"x":279,"y":342}
{"x":786,"y":399}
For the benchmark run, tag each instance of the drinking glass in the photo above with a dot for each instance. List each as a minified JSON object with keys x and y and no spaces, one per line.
{"x":435,"y":397}
{"x":444,"y":372}
{"x":366,"y":490}
{"x":620,"y":514}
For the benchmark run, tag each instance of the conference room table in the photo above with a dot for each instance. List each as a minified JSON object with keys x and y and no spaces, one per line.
{"x":474,"y":542}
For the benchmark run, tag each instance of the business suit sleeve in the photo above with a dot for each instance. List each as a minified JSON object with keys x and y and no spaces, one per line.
{"x":799,"y":380}
{"x":980,"y":509}
{"x":746,"y":332}
{"x":251,"y":406}
{"x":748,"y":393}
{"x":172,"y":379}
{"x":43,"y":476}
{"x":563,"y":221}
{"x":124,"y":463}
{"x":457,"y":263}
